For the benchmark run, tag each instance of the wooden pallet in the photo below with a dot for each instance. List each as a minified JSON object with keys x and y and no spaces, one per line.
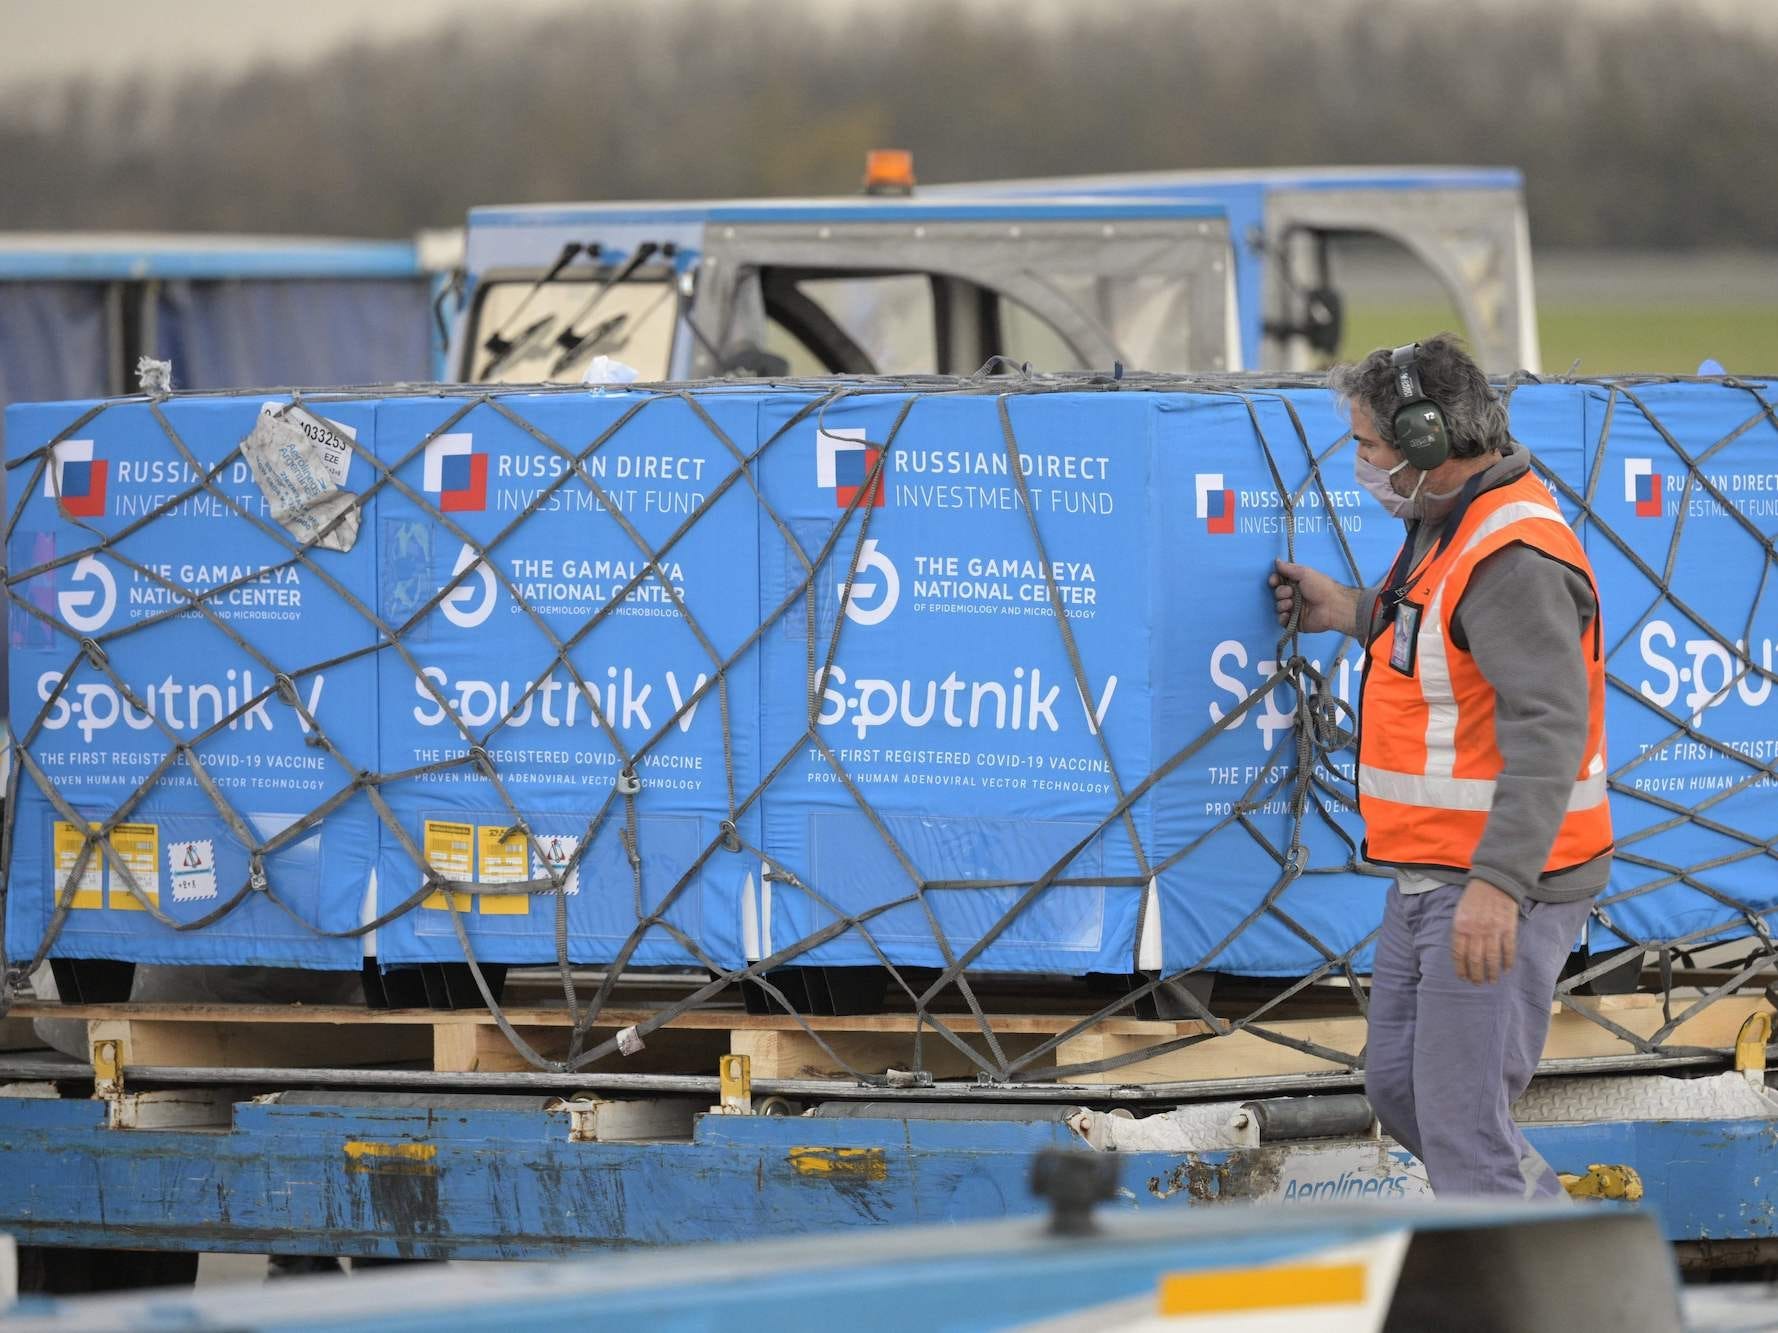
{"x":313,"y":1036}
{"x":1573,"y":1036}
{"x":307,"y":1036}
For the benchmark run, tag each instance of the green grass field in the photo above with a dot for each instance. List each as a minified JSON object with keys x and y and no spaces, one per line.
{"x":1607,"y":339}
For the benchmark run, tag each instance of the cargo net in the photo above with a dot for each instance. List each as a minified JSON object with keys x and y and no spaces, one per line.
{"x":1312,"y":782}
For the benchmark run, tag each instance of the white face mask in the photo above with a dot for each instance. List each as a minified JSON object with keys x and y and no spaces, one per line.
{"x":1376,"y":480}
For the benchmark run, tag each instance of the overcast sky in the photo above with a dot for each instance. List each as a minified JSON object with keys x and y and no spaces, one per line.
{"x":47,"y":39}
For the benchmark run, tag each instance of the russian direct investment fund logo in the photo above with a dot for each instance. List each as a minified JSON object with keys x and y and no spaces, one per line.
{"x":1642,"y":487}
{"x":456,"y":474}
{"x":1216,"y":504}
{"x":844,"y":462}
{"x":77,"y":478}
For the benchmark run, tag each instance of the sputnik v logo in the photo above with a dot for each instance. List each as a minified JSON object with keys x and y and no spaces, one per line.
{"x":1642,"y":487}
{"x":1216,"y":505}
{"x":78,"y":478}
{"x":456,"y":474}
{"x":843,"y":464}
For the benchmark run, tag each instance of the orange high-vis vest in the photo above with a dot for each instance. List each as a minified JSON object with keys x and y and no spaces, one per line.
{"x":1427,"y":760}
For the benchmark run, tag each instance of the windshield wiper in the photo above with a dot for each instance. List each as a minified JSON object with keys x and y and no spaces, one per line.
{"x":522,"y":346}
{"x":571,"y":342}
{"x":499,"y":347}
{"x":591,"y":341}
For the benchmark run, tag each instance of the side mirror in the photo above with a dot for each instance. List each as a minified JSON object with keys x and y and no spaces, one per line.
{"x":1323,"y":322}
{"x":1324,"y":319}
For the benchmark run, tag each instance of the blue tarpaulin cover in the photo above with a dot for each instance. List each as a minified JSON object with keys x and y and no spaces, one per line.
{"x":1682,"y":485}
{"x":568,"y":658}
{"x":313,"y":331}
{"x":956,"y":738}
{"x":818,"y":625}
{"x":158,"y":717}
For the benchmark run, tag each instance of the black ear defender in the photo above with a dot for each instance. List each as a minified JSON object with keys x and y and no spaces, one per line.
{"x":1420,"y":433}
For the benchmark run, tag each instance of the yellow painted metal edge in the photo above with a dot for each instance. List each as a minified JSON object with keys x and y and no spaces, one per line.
{"x":362,"y":1149}
{"x":1280,"y":1288}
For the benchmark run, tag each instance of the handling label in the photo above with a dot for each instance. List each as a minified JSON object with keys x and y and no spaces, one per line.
{"x":89,"y":894}
{"x":333,"y":438}
{"x":294,"y":469}
{"x":502,"y":861}
{"x":191,"y":869}
{"x":137,"y":847}
{"x":449,"y":848}
{"x":557,"y":855}
{"x":482,"y":854}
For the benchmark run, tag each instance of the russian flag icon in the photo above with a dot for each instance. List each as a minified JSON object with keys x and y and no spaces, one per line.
{"x":1216,"y":503}
{"x":1221,"y":516}
{"x":1642,"y":487}
{"x":456,"y":474}
{"x":77,"y":479}
{"x":852,"y":472}
{"x":465,"y":483}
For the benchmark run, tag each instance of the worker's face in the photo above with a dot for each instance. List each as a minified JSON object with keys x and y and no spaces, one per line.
{"x":1373,"y":451}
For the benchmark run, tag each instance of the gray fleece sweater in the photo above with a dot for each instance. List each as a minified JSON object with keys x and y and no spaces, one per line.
{"x":1521,"y":619}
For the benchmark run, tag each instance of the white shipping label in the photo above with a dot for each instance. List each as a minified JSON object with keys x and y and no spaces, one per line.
{"x":289,"y":458}
{"x":331,"y":436}
{"x":191,"y":866}
{"x":555,"y":852}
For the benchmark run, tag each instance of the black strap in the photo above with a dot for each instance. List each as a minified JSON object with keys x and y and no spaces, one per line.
{"x":1454,"y":520}
{"x":1402,"y":572}
{"x":1400,"y":575}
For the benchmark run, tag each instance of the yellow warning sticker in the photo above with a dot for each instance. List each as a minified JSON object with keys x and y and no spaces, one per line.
{"x":89,"y":893}
{"x":503,"y":860}
{"x":137,"y":846}
{"x":449,"y":848}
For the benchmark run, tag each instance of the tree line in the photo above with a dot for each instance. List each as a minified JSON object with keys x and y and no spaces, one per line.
{"x":1634,"y":127}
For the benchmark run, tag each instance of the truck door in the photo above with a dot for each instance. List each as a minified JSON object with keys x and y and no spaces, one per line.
{"x":1474,"y":241}
{"x":1078,"y":288}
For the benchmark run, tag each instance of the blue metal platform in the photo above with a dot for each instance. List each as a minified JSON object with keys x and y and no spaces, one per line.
{"x":496,"y":1177}
{"x":1338,"y":1267}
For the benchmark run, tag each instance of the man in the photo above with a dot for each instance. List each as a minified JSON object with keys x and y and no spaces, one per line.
{"x":1481,"y":763}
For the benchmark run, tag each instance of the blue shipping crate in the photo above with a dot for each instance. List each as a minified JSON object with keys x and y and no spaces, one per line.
{"x":1225,"y":465}
{"x":956,"y":756}
{"x":107,"y":564}
{"x":533,"y":630}
{"x":1683,"y":490}
{"x":949,"y":703}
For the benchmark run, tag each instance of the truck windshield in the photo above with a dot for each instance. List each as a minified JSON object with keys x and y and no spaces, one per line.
{"x":1148,"y":316}
{"x":527,"y":333}
{"x":905,"y":324}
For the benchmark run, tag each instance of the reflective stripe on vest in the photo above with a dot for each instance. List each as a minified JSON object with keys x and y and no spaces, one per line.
{"x":1428,"y":760}
{"x":1464,"y":793}
{"x":1435,"y":666}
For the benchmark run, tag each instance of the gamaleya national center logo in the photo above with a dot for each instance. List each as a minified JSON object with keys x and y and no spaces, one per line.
{"x":77,"y":478}
{"x":1216,"y":503}
{"x":844,"y":461}
{"x":456,"y":474}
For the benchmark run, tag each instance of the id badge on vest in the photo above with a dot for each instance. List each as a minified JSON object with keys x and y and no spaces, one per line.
{"x":1407,"y":638}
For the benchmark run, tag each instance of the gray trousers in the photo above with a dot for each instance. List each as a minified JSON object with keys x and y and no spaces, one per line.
{"x":1446,"y":1059}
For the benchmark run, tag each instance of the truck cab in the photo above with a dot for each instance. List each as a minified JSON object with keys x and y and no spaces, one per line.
{"x":1174,"y":272}
{"x":1461,"y":229}
{"x":845,"y":286}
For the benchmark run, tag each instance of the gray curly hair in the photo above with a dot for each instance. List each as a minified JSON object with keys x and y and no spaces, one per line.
{"x":1474,"y":413}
